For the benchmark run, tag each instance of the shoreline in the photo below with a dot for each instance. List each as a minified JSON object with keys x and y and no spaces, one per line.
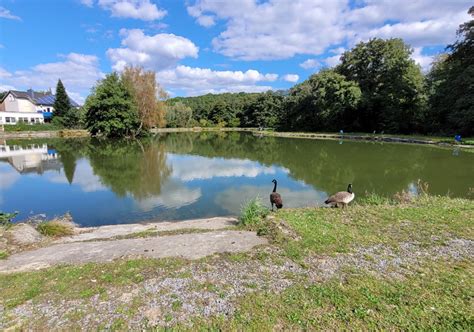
{"x":328,"y":136}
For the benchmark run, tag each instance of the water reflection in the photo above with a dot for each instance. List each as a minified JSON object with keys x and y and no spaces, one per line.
{"x":192,"y":175}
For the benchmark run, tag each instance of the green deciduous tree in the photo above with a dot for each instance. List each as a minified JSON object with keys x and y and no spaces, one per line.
{"x":179,"y":115}
{"x":61,"y":103}
{"x":451,"y":86}
{"x":326,"y":101}
{"x":391,"y":85}
{"x":264,"y":111}
{"x":110,"y":110}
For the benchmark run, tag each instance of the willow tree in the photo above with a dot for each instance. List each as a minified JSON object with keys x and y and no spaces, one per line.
{"x":148,"y":97}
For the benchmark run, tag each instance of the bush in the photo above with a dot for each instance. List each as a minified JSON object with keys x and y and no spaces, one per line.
{"x":55,"y":228}
{"x":3,"y":254}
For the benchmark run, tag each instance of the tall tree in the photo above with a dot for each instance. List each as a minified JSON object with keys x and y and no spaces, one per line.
{"x":451,"y":83}
{"x":147,"y":95}
{"x":178,"y":115}
{"x":110,"y":110}
{"x":61,"y":104}
{"x":391,"y":85}
{"x":326,"y":101}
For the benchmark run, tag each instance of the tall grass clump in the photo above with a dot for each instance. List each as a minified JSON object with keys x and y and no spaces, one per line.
{"x":55,"y":228}
{"x":252,"y":213}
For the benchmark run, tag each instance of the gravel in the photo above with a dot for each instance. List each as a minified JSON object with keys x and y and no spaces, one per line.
{"x":212,"y":287}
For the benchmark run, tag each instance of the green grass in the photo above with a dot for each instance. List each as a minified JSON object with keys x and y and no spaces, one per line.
{"x":330,"y":231}
{"x":3,"y":254}
{"x":54,"y":228}
{"x":437,"y":298}
{"x":76,"y":282}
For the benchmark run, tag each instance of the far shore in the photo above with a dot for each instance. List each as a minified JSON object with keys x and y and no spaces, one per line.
{"x":411,"y":139}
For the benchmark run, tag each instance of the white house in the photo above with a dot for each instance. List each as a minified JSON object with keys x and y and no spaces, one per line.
{"x":27,"y":107}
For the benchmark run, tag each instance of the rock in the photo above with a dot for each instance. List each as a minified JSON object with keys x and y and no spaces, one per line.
{"x":24,"y":234}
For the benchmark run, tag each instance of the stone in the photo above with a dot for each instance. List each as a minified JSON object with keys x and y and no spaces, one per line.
{"x":24,"y":234}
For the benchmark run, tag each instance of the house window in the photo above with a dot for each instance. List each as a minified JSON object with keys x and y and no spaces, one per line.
{"x":10,"y":98}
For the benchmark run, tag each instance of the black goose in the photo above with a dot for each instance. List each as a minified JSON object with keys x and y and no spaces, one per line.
{"x":342,"y":197}
{"x":275,"y":198}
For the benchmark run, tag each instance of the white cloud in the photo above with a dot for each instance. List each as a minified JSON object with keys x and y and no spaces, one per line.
{"x":275,"y":29}
{"x":88,"y":3}
{"x":310,"y":64}
{"x":138,"y":9}
{"x":280,"y":29}
{"x":78,"y":72}
{"x":5,"y":13}
{"x":291,"y":78}
{"x":334,"y":60}
{"x":423,"y":60}
{"x":197,"y":81}
{"x":215,"y":167}
{"x":156,"y":52}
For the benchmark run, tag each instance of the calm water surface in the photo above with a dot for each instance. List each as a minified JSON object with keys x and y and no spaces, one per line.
{"x":195,"y":175}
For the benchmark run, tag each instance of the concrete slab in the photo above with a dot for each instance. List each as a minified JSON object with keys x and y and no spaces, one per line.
{"x":106,"y":232}
{"x":189,"y":246}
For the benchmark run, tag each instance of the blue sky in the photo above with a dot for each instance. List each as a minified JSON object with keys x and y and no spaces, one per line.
{"x":201,"y":46}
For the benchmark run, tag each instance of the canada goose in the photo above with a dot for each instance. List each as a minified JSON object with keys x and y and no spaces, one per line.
{"x":342,"y":197}
{"x":275,"y":198}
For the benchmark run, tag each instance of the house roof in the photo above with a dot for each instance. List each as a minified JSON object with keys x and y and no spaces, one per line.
{"x":48,"y":100}
{"x":38,"y":98}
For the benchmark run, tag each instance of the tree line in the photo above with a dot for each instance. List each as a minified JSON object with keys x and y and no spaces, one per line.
{"x":376,"y":87}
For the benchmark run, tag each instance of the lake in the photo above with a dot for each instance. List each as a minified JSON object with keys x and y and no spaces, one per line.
{"x":193,"y":175}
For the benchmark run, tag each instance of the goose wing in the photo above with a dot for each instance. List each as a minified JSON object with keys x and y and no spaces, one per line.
{"x":338,"y":197}
{"x":275,"y":198}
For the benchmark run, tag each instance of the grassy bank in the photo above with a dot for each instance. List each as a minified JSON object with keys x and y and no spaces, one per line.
{"x":375,"y":265}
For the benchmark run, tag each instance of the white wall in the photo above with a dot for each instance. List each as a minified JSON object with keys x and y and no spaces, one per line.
{"x":12,"y":104}
{"x":37,"y":117}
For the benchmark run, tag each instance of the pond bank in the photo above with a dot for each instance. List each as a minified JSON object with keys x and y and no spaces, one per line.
{"x":44,"y":134}
{"x":331,"y":136}
{"x":392,"y":266}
